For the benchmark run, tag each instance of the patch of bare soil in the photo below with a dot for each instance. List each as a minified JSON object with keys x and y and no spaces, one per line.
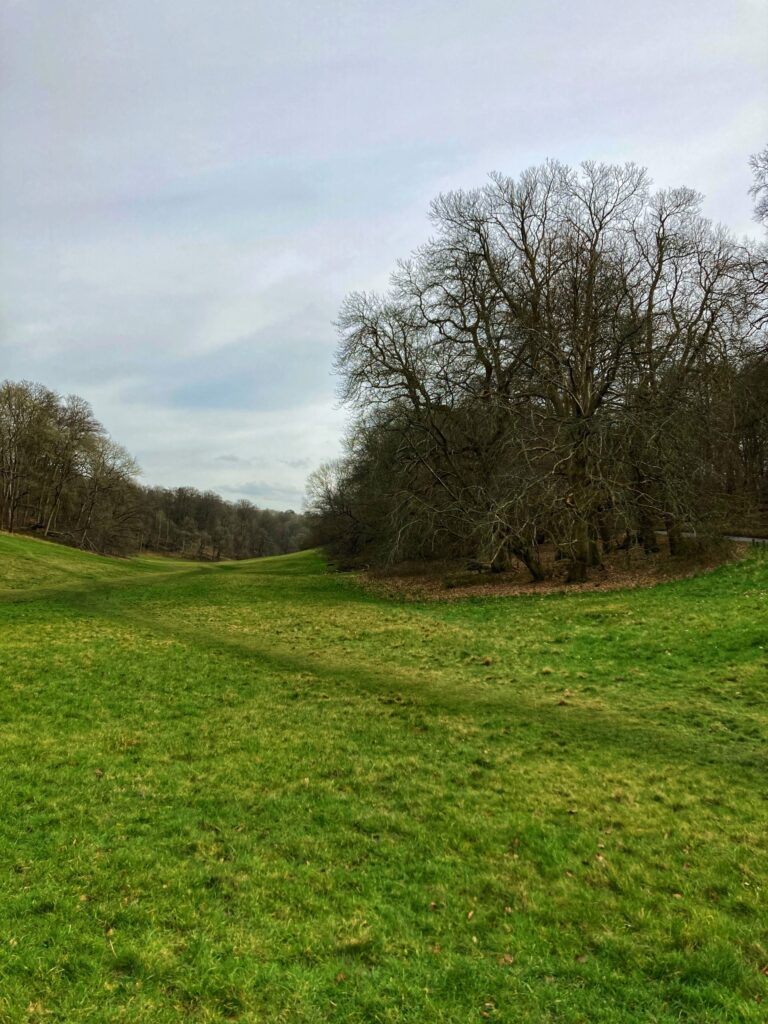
{"x":622,"y":570}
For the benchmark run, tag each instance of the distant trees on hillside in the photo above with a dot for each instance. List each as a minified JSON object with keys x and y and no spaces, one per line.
{"x":571,"y":361}
{"x":62,"y":476}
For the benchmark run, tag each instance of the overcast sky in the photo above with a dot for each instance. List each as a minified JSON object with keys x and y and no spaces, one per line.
{"x":188,"y":188}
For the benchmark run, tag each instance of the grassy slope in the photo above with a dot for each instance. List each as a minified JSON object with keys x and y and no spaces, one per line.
{"x":28,"y":563}
{"x":253,"y":792}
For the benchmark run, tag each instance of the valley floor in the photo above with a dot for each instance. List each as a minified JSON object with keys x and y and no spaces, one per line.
{"x":257,"y":792}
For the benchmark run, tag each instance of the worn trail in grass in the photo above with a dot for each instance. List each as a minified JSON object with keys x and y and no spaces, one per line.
{"x":254,"y":792}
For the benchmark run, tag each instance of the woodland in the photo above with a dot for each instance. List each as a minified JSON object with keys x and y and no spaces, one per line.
{"x":64,"y":478}
{"x":572,"y":363}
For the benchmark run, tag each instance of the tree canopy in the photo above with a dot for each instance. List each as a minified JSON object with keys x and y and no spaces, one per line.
{"x":570,"y":360}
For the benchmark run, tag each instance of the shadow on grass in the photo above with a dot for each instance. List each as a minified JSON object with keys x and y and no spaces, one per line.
{"x":657,"y":734}
{"x":564,"y":727}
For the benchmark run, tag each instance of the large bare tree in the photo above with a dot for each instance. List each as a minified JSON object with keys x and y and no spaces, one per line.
{"x":540,"y":365}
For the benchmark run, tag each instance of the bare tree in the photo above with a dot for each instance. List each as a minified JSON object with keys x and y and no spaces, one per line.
{"x":539,"y":364}
{"x":759,"y":189}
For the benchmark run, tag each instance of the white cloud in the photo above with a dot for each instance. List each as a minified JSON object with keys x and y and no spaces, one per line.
{"x":187,"y":189}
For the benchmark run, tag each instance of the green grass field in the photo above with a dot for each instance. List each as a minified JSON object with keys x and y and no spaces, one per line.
{"x":254,"y":792}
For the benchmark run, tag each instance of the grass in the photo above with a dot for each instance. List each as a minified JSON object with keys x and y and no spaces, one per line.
{"x":255,"y":792}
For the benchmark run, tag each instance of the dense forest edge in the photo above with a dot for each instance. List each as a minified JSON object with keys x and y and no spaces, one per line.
{"x":572,"y":365}
{"x":64,"y":478}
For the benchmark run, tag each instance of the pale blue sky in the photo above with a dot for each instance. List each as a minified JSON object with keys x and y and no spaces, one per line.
{"x":188,"y":188}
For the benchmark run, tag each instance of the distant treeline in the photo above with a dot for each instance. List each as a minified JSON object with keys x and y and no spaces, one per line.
{"x":63,"y":477}
{"x":572,"y":363}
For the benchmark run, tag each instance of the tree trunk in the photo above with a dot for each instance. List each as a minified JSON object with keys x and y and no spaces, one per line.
{"x":675,"y":539}
{"x":584,"y":555}
{"x":604,"y":533}
{"x":532,"y":563}
{"x":647,"y":536}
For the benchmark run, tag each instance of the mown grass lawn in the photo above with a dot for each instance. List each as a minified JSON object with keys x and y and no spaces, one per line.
{"x":255,"y":792}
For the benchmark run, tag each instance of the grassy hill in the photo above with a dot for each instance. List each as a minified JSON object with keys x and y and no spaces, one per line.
{"x":254,"y":792}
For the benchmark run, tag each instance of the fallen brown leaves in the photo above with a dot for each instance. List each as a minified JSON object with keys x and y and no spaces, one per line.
{"x":620,"y":572}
